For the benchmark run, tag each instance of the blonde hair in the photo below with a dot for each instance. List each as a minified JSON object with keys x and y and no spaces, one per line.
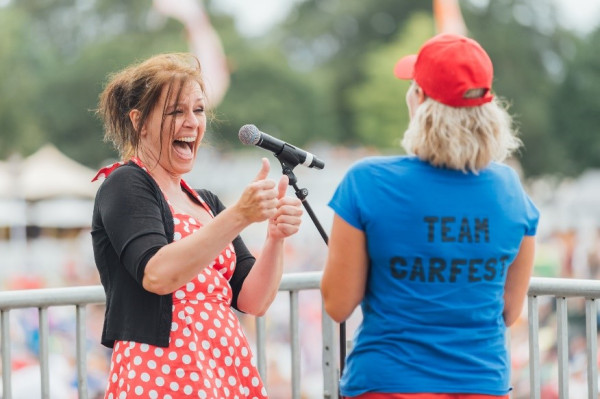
{"x":139,"y":86}
{"x":461,"y":138}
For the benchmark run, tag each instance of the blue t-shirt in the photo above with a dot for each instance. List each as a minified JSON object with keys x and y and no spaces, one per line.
{"x":439,"y":244}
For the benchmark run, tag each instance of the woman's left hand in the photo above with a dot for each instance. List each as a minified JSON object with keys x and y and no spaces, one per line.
{"x":289,"y":213}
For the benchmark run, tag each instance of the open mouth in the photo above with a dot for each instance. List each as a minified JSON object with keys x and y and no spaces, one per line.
{"x":184,"y":146}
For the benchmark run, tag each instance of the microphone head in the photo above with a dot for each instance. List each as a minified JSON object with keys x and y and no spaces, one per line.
{"x":249,"y":134}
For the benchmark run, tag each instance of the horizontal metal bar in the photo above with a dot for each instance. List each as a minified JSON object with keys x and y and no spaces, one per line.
{"x":300,"y":281}
{"x":47,"y":297}
{"x":563,"y":287}
{"x":290,"y":282}
{"x":85,"y":295}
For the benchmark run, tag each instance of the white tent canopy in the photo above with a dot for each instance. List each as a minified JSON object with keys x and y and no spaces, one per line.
{"x":61,"y":212}
{"x":7,"y":179}
{"x":12,"y":212}
{"x":46,"y":189}
{"x":48,"y":173}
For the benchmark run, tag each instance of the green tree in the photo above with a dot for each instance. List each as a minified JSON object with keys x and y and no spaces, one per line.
{"x":575,"y":119}
{"x":74,"y":89}
{"x":528,"y":54}
{"x":20,"y":85}
{"x":381,"y":116}
{"x":332,"y":39}
{"x":58,"y":55}
{"x":323,"y":75}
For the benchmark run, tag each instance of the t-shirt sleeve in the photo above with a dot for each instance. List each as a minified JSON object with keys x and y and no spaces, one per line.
{"x":532,"y":215}
{"x":529,"y":212}
{"x":244,"y":259}
{"x":345,"y":199}
{"x":131,"y":216}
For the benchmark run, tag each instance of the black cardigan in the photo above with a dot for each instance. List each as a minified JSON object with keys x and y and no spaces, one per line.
{"x":130,"y":223}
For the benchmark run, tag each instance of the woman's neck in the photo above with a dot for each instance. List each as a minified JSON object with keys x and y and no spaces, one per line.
{"x":167,"y":181}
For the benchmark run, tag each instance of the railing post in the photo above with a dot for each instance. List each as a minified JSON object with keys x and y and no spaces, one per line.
{"x":44,"y":359}
{"x":82,"y":388}
{"x":534,"y":347}
{"x":591,"y":335}
{"x":261,"y":356}
{"x":295,"y":344}
{"x":562,"y":347}
{"x":330,"y":355}
{"x":6,"y":363}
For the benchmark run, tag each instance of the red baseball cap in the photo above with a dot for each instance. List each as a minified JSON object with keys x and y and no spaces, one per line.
{"x":450,"y":68}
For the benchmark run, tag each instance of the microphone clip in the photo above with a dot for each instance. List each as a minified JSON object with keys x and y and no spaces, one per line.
{"x":288,"y":157}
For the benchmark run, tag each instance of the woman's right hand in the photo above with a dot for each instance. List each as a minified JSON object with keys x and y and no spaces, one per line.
{"x":180,"y":261}
{"x":259,"y":200}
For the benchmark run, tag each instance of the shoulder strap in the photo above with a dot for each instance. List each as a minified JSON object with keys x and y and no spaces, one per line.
{"x":211,"y":200}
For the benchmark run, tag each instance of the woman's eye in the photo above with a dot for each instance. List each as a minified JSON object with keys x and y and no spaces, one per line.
{"x":199,"y":110}
{"x":175,"y":112}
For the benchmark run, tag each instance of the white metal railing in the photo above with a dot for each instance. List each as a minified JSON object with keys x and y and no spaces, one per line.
{"x":42,"y":299}
{"x":294,"y":283}
{"x":561,"y":289}
{"x":81,"y":297}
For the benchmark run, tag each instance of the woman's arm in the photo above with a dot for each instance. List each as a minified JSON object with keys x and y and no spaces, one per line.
{"x":345,"y":275}
{"x":179,"y":262}
{"x":260,"y":286}
{"x":517,"y":281}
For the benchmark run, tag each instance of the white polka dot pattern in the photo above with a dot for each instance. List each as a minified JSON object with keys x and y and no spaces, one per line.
{"x":208,"y":355}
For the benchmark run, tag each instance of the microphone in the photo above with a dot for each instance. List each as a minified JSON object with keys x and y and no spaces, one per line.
{"x":250,"y":135}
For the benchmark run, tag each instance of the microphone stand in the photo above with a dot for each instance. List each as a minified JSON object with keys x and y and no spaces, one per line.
{"x":302,"y":193}
{"x":289,"y":160}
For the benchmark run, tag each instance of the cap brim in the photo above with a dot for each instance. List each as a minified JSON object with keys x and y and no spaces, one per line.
{"x":405,"y":67}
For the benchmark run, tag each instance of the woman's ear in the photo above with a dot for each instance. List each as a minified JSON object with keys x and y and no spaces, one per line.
{"x":134,"y":117}
{"x":420,"y":95}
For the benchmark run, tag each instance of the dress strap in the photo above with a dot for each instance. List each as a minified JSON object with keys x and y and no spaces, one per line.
{"x":197,"y":196}
{"x":107,"y":170}
{"x":104,"y":172}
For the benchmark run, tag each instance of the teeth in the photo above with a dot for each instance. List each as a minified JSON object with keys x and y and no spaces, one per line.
{"x":186,"y":139}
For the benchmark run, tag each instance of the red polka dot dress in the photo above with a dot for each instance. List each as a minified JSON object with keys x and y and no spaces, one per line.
{"x":208,"y":354}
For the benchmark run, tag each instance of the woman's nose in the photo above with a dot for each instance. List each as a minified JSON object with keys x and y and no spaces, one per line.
{"x":191,"y":119}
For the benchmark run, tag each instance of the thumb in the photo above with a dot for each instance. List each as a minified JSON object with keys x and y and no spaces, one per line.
{"x":264,"y":170}
{"x":282,"y":186}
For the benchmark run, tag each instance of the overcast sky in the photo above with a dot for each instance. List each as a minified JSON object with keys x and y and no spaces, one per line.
{"x":256,"y":16}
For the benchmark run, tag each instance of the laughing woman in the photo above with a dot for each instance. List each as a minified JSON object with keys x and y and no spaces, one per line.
{"x":170,"y":258}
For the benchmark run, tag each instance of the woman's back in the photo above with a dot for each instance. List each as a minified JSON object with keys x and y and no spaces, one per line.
{"x":439,"y":244}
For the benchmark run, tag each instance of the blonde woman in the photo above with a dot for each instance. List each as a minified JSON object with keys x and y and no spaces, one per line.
{"x":437,"y":246}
